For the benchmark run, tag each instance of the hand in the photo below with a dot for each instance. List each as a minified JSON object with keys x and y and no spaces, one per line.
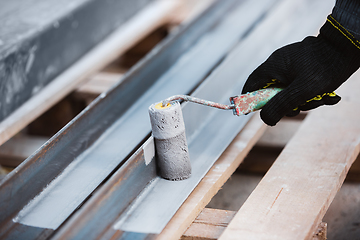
{"x":309,"y":71}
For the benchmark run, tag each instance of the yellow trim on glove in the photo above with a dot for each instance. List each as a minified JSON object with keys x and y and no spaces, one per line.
{"x":347,"y":34}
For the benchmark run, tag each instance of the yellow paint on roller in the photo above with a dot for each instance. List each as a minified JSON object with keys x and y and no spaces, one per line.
{"x":159,"y":106}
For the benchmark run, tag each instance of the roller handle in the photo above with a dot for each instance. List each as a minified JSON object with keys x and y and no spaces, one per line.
{"x":242,"y":104}
{"x":252,"y":101}
{"x":196,"y":100}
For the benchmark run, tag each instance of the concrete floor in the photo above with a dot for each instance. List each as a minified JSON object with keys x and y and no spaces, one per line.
{"x":343,"y":216}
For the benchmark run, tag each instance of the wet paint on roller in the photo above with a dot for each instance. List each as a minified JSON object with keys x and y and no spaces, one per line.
{"x":173,"y":158}
{"x":168,"y":129}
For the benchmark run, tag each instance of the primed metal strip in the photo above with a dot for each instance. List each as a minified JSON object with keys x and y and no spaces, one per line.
{"x":32,"y":176}
{"x":61,"y":197}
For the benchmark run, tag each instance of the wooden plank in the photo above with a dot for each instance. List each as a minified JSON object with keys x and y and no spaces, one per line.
{"x":271,"y":143}
{"x":190,"y":9}
{"x":279,"y":135}
{"x":259,"y":159}
{"x":269,"y":146}
{"x":3,"y":172}
{"x":18,"y":148}
{"x":98,"y":84}
{"x":211,"y":223}
{"x":214,"y":179}
{"x":117,"y":43}
{"x":294,"y":195}
{"x":208,"y":225}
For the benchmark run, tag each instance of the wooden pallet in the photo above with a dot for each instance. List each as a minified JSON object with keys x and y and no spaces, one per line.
{"x":294,"y":195}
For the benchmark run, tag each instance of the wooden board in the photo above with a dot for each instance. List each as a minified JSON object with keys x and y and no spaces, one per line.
{"x":209,"y":224}
{"x":272,"y":142}
{"x":97,"y":84}
{"x":292,"y":198}
{"x":17,"y":149}
{"x":214,"y":179}
{"x":279,"y":135}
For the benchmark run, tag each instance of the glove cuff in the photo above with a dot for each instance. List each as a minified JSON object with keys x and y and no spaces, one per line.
{"x":339,"y":37}
{"x":347,"y":12}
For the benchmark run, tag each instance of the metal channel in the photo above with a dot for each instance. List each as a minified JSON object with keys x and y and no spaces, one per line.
{"x":40,"y":39}
{"x":99,"y":139}
{"x":88,"y":170}
{"x":209,"y":131}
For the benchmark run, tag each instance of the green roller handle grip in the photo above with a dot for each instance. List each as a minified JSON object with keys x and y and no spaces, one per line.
{"x":252,"y":101}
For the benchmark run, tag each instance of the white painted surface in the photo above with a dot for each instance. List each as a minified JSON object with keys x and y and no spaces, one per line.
{"x":149,"y":150}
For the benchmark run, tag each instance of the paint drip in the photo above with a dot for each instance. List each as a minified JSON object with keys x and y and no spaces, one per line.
{"x":168,"y":129}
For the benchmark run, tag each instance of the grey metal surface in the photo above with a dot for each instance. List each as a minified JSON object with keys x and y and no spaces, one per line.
{"x":154,"y":208}
{"x":41,"y":38}
{"x":62,"y":196}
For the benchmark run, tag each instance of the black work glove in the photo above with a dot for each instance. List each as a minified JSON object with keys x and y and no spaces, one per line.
{"x":309,"y":71}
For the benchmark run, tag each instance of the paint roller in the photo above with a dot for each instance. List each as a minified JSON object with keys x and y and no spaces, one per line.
{"x":168,"y":128}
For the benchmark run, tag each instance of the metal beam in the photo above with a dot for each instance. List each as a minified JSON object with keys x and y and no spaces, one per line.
{"x":102,"y":137}
{"x":39,"y":39}
{"x":147,"y":211}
